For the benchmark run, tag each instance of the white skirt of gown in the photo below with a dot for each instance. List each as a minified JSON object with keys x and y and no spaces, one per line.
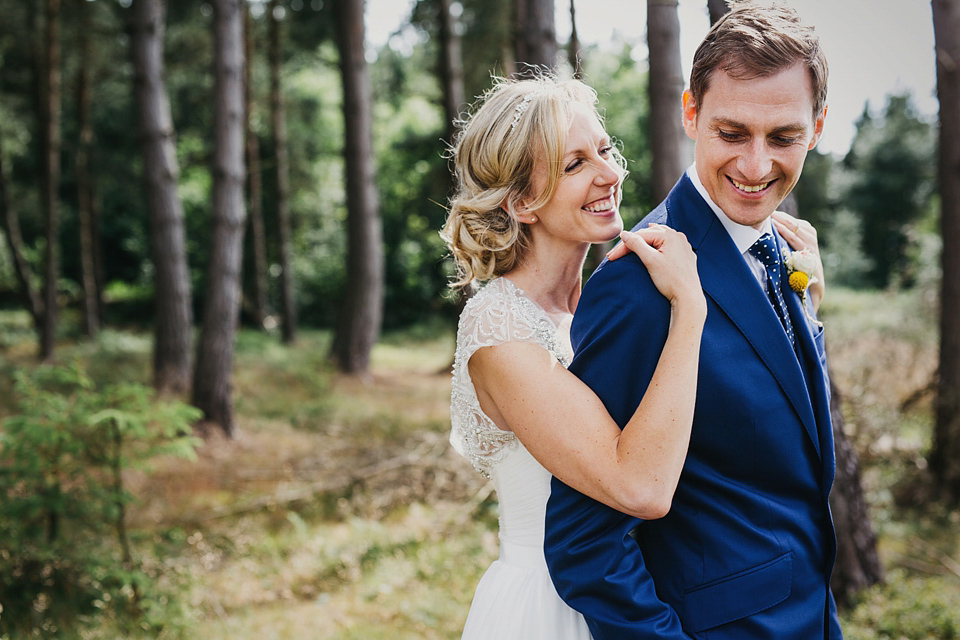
{"x":515,"y":599}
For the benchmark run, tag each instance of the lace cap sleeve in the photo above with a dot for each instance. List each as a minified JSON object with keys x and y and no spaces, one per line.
{"x":496,"y":314}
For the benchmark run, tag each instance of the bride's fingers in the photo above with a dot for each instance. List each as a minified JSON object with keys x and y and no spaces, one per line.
{"x":634,"y":241}
{"x":799,"y":234}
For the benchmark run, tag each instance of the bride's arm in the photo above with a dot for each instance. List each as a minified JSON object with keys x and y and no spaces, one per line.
{"x":565,"y":426}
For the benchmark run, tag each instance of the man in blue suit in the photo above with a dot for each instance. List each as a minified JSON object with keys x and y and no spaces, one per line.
{"x":747,"y":549}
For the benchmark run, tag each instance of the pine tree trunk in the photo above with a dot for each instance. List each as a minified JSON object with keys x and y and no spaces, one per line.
{"x":945,"y":455}
{"x":278,"y":119}
{"x":858,"y":564}
{"x":451,"y":68}
{"x":91,"y":292}
{"x":174,"y":315}
{"x":667,"y":137}
{"x":21,"y":268}
{"x":573,"y":47}
{"x":535,"y":34}
{"x":257,"y":238}
{"x":360,"y":316}
{"x":50,"y":176}
{"x":212,"y":379}
{"x":717,"y":9}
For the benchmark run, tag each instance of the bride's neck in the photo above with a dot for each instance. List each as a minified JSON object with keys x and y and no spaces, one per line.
{"x":552,"y":283}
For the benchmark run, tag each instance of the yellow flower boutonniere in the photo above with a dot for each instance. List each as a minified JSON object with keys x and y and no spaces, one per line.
{"x":801,"y":265}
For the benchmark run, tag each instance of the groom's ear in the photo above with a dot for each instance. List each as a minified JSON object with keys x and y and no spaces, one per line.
{"x":818,"y":129}
{"x":689,"y":113}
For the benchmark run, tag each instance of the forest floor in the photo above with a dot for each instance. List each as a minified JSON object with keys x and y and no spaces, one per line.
{"x":338,"y":510}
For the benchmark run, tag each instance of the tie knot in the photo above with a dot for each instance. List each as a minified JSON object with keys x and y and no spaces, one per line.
{"x":765,"y":250}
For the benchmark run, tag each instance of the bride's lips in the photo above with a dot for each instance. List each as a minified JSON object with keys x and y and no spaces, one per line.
{"x":602,"y":206}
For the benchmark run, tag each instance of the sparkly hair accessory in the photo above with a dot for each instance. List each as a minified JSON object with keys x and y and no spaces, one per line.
{"x":520,"y":109}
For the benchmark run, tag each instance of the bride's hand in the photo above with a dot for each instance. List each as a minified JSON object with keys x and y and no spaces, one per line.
{"x":801,"y":235}
{"x":669,"y":259}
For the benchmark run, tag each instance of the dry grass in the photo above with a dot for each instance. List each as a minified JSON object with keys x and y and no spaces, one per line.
{"x":339,"y":510}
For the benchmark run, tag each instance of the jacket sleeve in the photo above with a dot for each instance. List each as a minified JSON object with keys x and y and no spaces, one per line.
{"x":618,"y":333}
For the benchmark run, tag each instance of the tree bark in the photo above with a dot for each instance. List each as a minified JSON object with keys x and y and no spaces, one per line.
{"x":535,"y":34}
{"x":91,"y":292}
{"x":212,"y":378}
{"x":257,"y":237}
{"x":573,"y":48}
{"x":358,"y":324}
{"x":451,"y":68}
{"x":32,"y":301}
{"x":174,"y":315}
{"x":667,"y":137}
{"x":945,"y":454}
{"x":717,"y":9}
{"x":858,"y":564}
{"x":278,"y":119}
{"x":50,"y":176}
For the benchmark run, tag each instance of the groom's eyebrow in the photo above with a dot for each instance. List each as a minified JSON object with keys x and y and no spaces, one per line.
{"x":794,"y":127}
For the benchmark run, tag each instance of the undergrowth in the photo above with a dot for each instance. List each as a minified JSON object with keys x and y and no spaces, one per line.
{"x":339,"y":510}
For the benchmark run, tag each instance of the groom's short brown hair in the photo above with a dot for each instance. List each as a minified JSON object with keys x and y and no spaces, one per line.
{"x":756,"y":40}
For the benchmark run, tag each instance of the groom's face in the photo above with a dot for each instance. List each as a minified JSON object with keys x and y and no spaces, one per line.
{"x":752,"y":137}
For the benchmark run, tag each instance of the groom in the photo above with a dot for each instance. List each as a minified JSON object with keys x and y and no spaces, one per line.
{"x":747,"y":548}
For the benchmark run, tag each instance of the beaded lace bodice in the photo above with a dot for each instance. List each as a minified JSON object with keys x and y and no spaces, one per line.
{"x":498,"y":313}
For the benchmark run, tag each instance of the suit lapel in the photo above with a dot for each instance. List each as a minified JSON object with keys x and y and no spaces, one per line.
{"x":728,"y":281}
{"x":818,"y":383}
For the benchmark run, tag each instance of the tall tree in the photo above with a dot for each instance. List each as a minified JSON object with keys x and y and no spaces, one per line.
{"x":91,"y":302}
{"x":667,"y":137}
{"x":257,"y":236}
{"x":717,"y":8}
{"x":50,"y":173}
{"x":451,"y":67}
{"x":573,"y":47}
{"x":358,"y":324}
{"x":173,"y":315}
{"x":535,"y":34}
{"x":281,"y":162}
{"x":212,"y":378}
{"x":11,"y":230}
{"x":892,"y":181}
{"x":945,"y":455}
{"x":858,"y":563}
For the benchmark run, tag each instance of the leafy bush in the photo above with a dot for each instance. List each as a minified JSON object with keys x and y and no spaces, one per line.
{"x":66,"y":556}
{"x":906,"y":608}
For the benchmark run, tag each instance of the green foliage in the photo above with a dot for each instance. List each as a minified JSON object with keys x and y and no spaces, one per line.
{"x":907,"y":608}
{"x":891,"y":164}
{"x":67,"y":557}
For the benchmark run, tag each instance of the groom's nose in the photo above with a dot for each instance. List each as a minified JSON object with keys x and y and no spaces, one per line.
{"x":755,"y":161}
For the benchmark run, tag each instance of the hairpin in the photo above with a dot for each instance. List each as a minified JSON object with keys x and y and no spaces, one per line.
{"x":520,"y":109}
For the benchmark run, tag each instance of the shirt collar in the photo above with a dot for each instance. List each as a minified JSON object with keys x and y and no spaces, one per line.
{"x":742,"y":235}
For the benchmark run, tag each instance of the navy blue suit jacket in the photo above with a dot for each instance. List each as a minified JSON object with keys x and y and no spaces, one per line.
{"x":747,"y":549}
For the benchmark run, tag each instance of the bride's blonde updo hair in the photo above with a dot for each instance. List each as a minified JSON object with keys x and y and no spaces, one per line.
{"x":494,"y":155}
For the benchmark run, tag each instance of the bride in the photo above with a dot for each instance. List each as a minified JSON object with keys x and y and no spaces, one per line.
{"x":539,"y":181}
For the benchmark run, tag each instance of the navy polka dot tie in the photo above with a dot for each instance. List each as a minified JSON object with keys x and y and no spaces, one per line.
{"x":765,"y":250}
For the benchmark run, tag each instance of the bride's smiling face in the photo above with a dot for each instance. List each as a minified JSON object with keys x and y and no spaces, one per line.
{"x":585,"y":207}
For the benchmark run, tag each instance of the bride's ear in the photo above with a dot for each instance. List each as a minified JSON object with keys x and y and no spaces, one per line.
{"x":517,"y":208}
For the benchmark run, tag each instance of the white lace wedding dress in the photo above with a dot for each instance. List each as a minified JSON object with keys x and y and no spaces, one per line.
{"x":515,"y":599}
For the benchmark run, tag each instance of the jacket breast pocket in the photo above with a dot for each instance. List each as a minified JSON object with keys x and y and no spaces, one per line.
{"x":739,"y":595}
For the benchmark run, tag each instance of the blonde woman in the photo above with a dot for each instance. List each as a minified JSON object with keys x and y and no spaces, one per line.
{"x":539,"y":181}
